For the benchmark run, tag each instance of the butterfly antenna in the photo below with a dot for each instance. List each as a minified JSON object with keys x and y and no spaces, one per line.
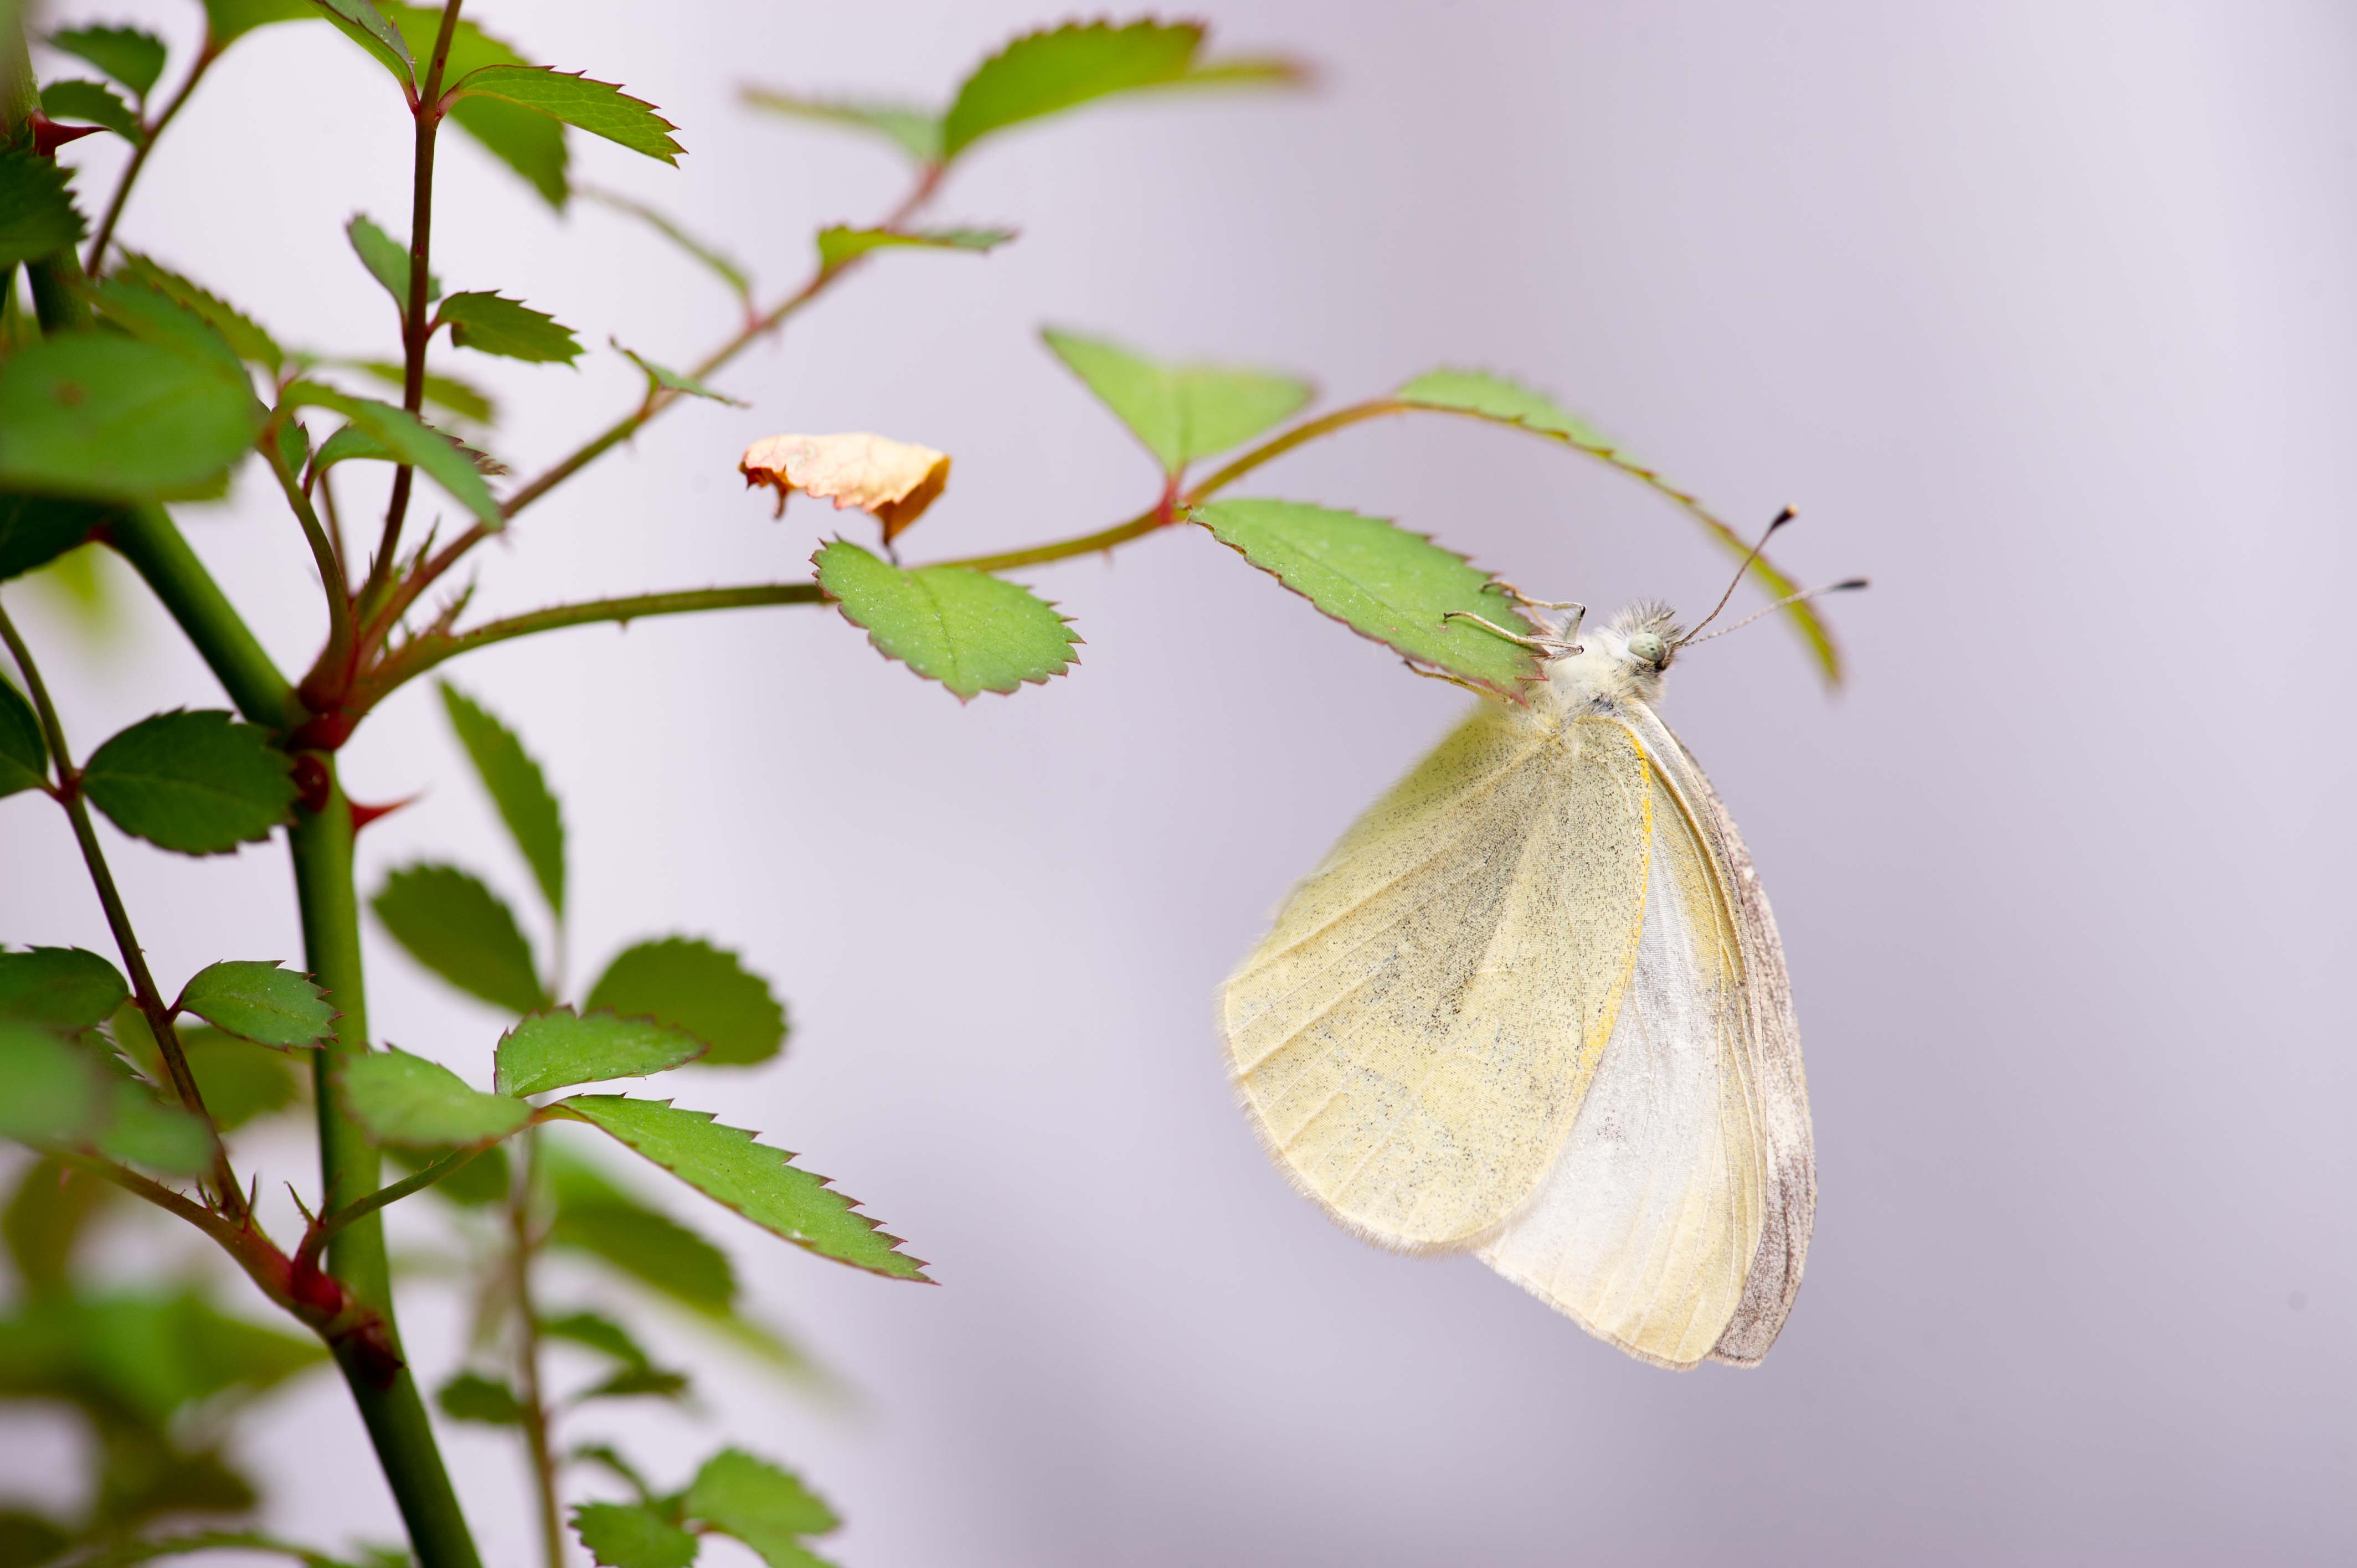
{"x":1788,"y":599}
{"x":1781,"y":520}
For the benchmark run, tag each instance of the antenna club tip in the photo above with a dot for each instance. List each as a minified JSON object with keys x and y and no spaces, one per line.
{"x":1852,"y":583}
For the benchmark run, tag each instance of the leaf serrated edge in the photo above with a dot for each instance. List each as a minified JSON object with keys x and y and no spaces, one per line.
{"x":1538,"y":665}
{"x":1071,"y":638}
{"x":786,"y":1157}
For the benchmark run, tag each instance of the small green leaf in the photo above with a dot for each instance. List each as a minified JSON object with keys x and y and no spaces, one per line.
{"x":972,"y":633}
{"x":141,"y":1130}
{"x":24,"y":754}
{"x":239,"y":1080}
{"x":559,"y":1048}
{"x":48,"y":1090}
{"x":600,"y":1334}
{"x":600,"y":108}
{"x":630,"y":1535}
{"x":728,"y":1167}
{"x":483,"y":1180}
{"x":229,"y":19}
{"x":1500,"y":400}
{"x":457,"y":928}
{"x":387,"y":260}
{"x":351,"y":443}
{"x":196,"y":782}
{"x":36,"y":213}
{"x":131,"y":57}
{"x":1180,"y":412}
{"x":915,"y":132}
{"x":462,"y":398}
{"x":65,"y":989}
{"x":651,"y":1248}
{"x":1383,"y":583}
{"x":494,"y":324}
{"x":760,"y":1504}
{"x":531,"y":144}
{"x":726,"y":269}
{"x":471,"y":1396}
{"x":401,"y":1099}
{"x":1045,"y":72}
{"x":35,"y":530}
{"x":93,"y":102}
{"x":99,"y":414}
{"x":411,"y":439}
{"x":518,"y":789}
{"x":256,"y":1000}
{"x":154,"y":317}
{"x":637,"y":1382}
{"x":672,"y":381}
{"x":701,"y":989}
{"x":365,"y":26}
{"x":838,"y":244}
{"x":245,"y":337}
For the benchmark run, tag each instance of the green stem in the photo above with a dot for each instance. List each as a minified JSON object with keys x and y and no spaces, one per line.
{"x":321,"y":843}
{"x":323,"y":555}
{"x":146,"y":538}
{"x":332,"y":1225}
{"x":152,"y":1006}
{"x":204,"y":57}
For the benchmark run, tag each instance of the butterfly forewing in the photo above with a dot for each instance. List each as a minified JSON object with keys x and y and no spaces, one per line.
{"x":1415,"y":1035}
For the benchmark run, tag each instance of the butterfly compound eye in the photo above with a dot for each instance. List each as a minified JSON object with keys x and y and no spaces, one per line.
{"x":1648,"y":649}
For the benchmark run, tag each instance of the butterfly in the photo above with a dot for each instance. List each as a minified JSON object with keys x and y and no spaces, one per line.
{"x":1533,"y":1007}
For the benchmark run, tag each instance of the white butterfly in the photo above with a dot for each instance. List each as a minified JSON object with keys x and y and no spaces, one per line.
{"x":1533,"y":1007}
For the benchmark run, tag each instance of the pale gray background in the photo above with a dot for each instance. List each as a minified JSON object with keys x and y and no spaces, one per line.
{"x":2041,"y":314}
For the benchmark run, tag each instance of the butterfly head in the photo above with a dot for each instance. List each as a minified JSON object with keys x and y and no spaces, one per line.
{"x":1647,"y":635}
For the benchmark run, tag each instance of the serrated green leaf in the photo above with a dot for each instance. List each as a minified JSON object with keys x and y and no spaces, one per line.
{"x":483,"y":1180}
{"x":37,"y":211}
{"x":728,"y":1167}
{"x":1180,"y":412}
{"x":637,"y":1382}
{"x":672,"y":381}
{"x":455,"y":396}
{"x":1046,"y":72}
{"x":256,"y":1000}
{"x":630,"y":1535}
{"x":401,"y":1099}
{"x":517,"y":787}
{"x":839,"y":244}
{"x":1383,"y":583}
{"x":387,"y":261}
{"x":494,"y":324}
{"x":48,"y":1090}
{"x":94,"y":414}
{"x":23,"y":754}
{"x":701,"y":989}
{"x":471,"y":1396}
{"x":229,"y":19}
{"x":1503,"y":401}
{"x":761,"y":1505}
{"x":915,"y":132}
{"x":65,"y":989}
{"x":600,"y":108}
{"x":132,"y":57}
{"x":971,"y":632}
{"x":412,"y":441}
{"x":365,"y":26}
{"x":529,"y":143}
{"x":154,"y":317}
{"x":239,"y":1078}
{"x":725,"y":268}
{"x":35,"y":530}
{"x":196,"y":782}
{"x":599,"y":1333}
{"x":245,"y":336}
{"x":457,"y":928}
{"x":94,"y":102}
{"x":352,"y":443}
{"x":559,"y":1048}
{"x":141,"y":1131}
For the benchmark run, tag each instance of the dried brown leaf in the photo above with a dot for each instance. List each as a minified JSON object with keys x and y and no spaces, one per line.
{"x":893,"y":481}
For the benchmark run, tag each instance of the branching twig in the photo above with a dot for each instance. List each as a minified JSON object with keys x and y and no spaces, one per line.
{"x":204,"y":57}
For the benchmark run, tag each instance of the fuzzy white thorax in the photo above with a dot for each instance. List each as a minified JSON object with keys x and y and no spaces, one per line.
{"x":1605,"y":675}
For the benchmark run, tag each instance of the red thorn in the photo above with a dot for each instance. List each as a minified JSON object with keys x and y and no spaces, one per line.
{"x":363,"y":815}
{"x":48,"y":136}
